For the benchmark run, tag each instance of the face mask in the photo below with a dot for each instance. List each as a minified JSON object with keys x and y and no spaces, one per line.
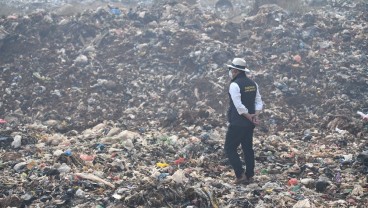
{"x":230,"y":74}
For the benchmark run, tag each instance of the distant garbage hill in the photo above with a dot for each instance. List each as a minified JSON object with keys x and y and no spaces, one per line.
{"x":165,"y":66}
{"x":119,"y":107}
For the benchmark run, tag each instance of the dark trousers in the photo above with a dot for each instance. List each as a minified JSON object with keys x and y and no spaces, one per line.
{"x":235,"y":136}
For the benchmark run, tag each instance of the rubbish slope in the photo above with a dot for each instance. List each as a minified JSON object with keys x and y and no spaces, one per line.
{"x":127,"y":108}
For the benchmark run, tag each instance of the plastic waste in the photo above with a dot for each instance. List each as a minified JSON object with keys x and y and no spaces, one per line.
{"x":128,"y":144}
{"x":363,"y":157}
{"x":64,"y":168}
{"x":100,"y":147}
{"x":264,"y":171}
{"x":179,"y":177}
{"x":115,"y":11}
{"x":162,"y":165}
{"x":307,"y":181}
{"x":296,"y":188}
{"x":17,"y":142}
{"x":341,"y":131}
{"x":364,"y":116}
{"x":297,"y":58}
{"x":51,"y":172}
{"x":307,"y":135}
{"x":80,"y":193}
{"x":5,"y":141}
{"x":321,"y":186}
{"x":2,"y":121}
{"x":45,"y":198}
{"x":293,"y":182}
{"x":117,"y":196}
{"x":346,"y":159}
{"x":338,"y":177}
{"x":149,"y":36}
{"x":303,"y":204}
{"x":94,"y":178}
{"x":57,"y":153}
{"x":86,"y":157}
{"x":162,"y":176}
{"x":27,"y":198}
{"x":68,"y":152}
{"x":18,"y":167}
{"x":179,"y":161}
{"x":271,"y":185}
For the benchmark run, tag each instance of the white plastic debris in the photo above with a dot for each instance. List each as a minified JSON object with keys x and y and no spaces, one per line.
{"x":80,"y":193}
{"x":94,"y":178}
{"x":364,"y":116}
{"x":341,"y":131}
{"x":19,"y":166}
{"x":81,"y":59}
{"x":64,"y":168}
{"x":117,"y":196}
{"x":128,"y":144}
{"x":271,"y":185}
{"x":113,"y":131}
{"x":58,"y":152}
{"x":307,"y":181}
{"x":305,"y":203}
{"x":179,"y":177}
{"x":17,"y":141}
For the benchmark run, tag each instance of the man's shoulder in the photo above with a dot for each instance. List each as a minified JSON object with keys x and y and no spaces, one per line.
{"x":244,"y":80}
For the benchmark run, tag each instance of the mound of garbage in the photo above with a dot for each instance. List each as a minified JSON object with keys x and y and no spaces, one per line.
{"x":119,"y":107}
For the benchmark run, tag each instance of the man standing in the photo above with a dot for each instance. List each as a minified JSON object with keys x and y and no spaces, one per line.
{"x":245,"y":104}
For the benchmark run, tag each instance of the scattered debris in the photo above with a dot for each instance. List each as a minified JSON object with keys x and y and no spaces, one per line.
{"x":127,"y":107}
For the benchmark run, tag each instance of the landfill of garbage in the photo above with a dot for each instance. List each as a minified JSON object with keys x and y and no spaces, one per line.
{"x":126,"y":107}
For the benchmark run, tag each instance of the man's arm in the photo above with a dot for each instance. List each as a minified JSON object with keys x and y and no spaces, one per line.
{"x":236,"y":98}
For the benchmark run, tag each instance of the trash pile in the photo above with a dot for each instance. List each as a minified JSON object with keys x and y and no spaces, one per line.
{"x":119,"y":107}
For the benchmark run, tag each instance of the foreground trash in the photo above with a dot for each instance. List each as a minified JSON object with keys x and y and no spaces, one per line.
{"x":127,"y":109}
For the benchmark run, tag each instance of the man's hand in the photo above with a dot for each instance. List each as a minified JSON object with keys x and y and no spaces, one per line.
{"x":255,"y":120}
{"x":252,"y":117}
{"x":248,"y":116}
